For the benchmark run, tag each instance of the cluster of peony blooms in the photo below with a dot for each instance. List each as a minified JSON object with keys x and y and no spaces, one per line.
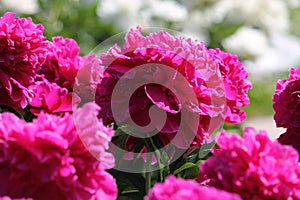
{"x":47,"y":158}
{"x":250,"y":168}
{"x":253,"y":167}
{"x":61,"y":150}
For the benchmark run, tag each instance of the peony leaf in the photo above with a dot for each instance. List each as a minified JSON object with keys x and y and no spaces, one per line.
{"x":205,"y":149}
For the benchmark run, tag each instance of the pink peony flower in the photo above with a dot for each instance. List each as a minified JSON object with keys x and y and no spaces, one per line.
{"x":236,"y":86}
{"x":53,"y":93}
{"x":46,"y":159}
{"x":22,"y":52}
{"x":87,"y":78}
{"x":181,"y":189}
{"x":287,"y":108}
{"x":63,"y":62}
{"x":253,"y":167}
{"x":50,"y":98}
{"x":204,"y":71}
{"x":286,"y":101}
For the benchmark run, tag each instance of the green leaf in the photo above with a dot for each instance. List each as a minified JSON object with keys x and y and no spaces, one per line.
{"x":205,"y":149}
{"x":184,"y":167}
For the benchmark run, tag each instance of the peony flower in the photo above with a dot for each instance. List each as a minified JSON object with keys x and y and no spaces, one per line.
{"x":287,"y":108}
{"x":63,"y":62}
{"x":204,"y":72}
{"x":253,"y":167}
{"x":181,"y":189}
{"x":22,"y":52}
{"x":286,"y":98}
{"x":87,"y":78}
{"x":46,"y":159}
{"x":236,"y":87}
{"x":56,"y":79}
{"x":50,"y":98}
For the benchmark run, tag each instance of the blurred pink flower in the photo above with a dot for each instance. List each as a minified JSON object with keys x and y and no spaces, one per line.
{"x":22,"y":52}
{"x":204,"y":73}
{"x":253,"y":167}
{"x":46,"y":159}
{"x":181,"y":189}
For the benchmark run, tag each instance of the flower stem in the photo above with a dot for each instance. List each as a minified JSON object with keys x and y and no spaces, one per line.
{"x":148,"y":174}
{"x":148,"y":181}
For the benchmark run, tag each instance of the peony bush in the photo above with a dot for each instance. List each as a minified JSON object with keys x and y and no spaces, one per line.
{"x":253,"y":167}
{"x":67,"y":119}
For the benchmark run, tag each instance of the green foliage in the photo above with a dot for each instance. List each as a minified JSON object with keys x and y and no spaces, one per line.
{"x":261,"y":94}
{"x":76,"y":19}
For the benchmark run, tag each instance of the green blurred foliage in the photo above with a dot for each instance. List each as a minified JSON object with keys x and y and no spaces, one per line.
{"x":263,"y":89}
{"x":75,"y":19}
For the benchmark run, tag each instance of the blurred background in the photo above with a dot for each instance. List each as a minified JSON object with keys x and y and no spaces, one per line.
{"x":265,"y":34}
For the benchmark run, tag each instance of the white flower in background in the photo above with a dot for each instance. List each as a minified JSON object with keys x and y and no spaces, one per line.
{"x":24,"y":6}
{"x":293,"y":3}
{"x":283,"y":54}
{"x":270,"y":15}
{"x":247,"y":42}
{"x":121,"y":13}
{"x":169,"y":11}
{"x":196,"y":26}
{"x":127,"y":14}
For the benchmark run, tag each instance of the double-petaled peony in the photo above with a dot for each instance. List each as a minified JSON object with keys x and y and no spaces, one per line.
{"x":287,"y":108}
{"x":54,"y":86}
{"x":51,"y":98}
{"x":194,"y":88}
{"x":62,"y":63}
{"x":253,"y":167}
{"x":46,"y":159}
{"x":87,"y":78}
{"x":181,"y":189}
{"x":235,"y":84}
{"x":286,"y":98}
{"x":22,"y":52}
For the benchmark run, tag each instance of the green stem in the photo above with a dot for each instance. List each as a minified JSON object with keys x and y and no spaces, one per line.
{"x":148,"y":174}
{"x":148,"y":181}
{"x":163,"y":167}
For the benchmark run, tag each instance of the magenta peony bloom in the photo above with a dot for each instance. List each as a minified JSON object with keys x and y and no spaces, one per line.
{"x":286,"y":101}
{"x":50,"y":98}
{"x":22,"y":52}
{"x":63,"y":62}
{"x":203,"y":70}
{"x":287,"y":108}
{"x":88,"y":77}
{"x":53,"y":93}
{"x":181,"y":189}
{"x":253,"y":167}
{"x":46,"y":159}
{"x":235,"y":84}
